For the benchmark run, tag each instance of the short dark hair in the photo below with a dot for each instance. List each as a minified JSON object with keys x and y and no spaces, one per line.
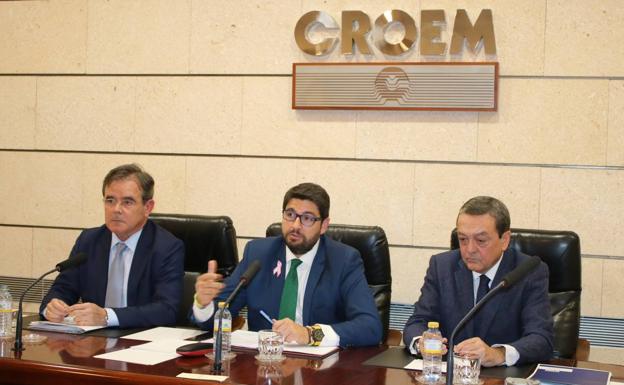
{"x":487,"y":205}
{"x":311,"y":192}
{"x":127,"y":171}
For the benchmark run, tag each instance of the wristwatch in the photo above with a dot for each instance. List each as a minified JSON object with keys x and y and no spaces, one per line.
{"x":315,"y":335}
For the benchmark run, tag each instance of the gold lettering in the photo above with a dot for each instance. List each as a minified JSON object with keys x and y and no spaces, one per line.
{"x":355,"y":26}
{"x":307,"y":22}
{"x":483,"y":30}
{"x":381,"y":25}
{"x":431,"y":22}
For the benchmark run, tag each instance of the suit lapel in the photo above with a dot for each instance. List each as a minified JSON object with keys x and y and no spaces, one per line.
{"x":141,"y":257}
{"x":101,"y":268}
{"x":276,"y":280}
{"x":318,"y":265}
{"x":463,"y":282}
{"x":491,"y":308}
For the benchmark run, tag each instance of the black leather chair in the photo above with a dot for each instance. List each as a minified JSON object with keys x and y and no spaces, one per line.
{"x":205,"y":238}
{"x":561,"y":251}
{"x":372,"y":244}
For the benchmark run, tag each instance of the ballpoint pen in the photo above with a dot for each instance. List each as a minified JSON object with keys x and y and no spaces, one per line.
{"x":266,"y":316}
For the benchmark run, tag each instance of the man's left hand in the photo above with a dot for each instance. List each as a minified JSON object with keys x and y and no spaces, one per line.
{"x":475,"y":347}
{"x":292,"y":332}
{"x":88,"y":314}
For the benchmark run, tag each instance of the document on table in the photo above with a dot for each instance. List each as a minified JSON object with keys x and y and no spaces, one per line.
{"x":417,"y":364}
{"x":150,"y":353}
{"x":62,"y":327}
{"x":554,"y":374}
{"x":159,"y":333}
{"x":249,"y":340}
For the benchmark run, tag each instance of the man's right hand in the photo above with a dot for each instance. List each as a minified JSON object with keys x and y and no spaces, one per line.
{"x":56,"y":310}
{"x":208,"y":285}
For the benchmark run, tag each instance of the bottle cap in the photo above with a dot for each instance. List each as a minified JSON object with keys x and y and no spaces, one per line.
{"x":222,"y":304}
{"x":433,"y":325}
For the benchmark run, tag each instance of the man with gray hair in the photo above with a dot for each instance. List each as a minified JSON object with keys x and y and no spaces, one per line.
{"x":515,"y":326}
{"x":134,"y":269}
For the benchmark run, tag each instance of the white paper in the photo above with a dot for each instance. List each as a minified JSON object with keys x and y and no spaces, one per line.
{"x":417,"y":364}
{"x":615,"y":383}
{"x":62,"y":327}
{"x":146,"y":357}
{"x":162,"y":332}
{"x":164,"y":346}
{"x":198,"y":376}
{"x":249,"y":340}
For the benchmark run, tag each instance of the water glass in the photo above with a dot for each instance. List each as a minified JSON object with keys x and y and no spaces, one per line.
{"x":270,"y":346}
{"x":466,"y":370}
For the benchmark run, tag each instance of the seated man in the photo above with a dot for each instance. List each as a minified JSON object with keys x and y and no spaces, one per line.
{"x":313,"y":286}
{"x":513,"y":327}
{"x":134,"y":269}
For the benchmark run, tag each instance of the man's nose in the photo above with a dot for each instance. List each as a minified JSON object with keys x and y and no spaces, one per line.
{"x":472,"y":245}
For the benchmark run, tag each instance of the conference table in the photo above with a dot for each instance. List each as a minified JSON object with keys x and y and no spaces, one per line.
{"x":65,"y":359}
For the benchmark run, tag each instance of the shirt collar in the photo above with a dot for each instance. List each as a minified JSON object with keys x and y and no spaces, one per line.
{"x":306,"y":258}
{"x":131,"y":242}
{"x":490,"y":273}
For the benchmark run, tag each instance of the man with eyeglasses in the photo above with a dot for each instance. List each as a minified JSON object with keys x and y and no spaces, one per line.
{"x":515,"y":326}
{"x":134,"y":269}
{"x":311,"y":288}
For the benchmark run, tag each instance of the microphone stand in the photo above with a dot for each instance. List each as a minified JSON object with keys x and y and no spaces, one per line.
{"x":218,"y":346}
{"x":460,"y":325}
{"x":18,"y":347}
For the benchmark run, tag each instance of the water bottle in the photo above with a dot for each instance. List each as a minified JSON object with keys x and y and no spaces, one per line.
{"x":6,"y":312}
{"x":432,"y":353}
{"x":226,"y":328}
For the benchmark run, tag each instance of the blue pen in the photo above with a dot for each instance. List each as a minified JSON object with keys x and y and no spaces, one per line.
{"x":266,"y":316}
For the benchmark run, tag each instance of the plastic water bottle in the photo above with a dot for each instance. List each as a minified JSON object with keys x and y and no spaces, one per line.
{"x":6,"y":312}
{"x":432,"y":353}
{"x":226,"y":328}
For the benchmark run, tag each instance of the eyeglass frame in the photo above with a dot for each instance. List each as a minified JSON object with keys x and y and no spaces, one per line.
{"x":303,"y":218}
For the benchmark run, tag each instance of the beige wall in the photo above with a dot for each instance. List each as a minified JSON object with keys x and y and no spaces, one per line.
{"x":199,"y":93}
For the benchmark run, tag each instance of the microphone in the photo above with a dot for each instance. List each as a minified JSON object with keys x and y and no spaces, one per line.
{"x":508,"y":280}
{"x":251,"y":271}
{"x":76,"y":260}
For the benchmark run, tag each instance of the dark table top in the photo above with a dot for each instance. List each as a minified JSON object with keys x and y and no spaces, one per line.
{"x":68,"y":359}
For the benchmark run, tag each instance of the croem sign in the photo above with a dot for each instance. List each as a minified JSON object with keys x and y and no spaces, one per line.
{"x":356,"y":25}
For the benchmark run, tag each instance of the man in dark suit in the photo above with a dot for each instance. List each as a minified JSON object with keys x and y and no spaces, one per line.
{"x":515,"y":326}
{"x":312,"y":286}
{"x":134,"y":269}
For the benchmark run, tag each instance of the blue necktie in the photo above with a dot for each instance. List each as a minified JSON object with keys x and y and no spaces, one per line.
{"x":116,"y":272}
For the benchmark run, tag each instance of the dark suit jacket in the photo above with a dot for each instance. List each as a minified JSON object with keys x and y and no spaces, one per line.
{"x":154,"y":283}
{"x":518,"y":316}
{"x":336,"y":294}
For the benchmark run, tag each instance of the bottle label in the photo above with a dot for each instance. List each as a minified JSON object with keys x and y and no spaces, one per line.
{"x":226,"y":325}
{"x":432,"y":346}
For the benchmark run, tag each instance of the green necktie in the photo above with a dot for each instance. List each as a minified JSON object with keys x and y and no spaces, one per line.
{"x":288,"y":304}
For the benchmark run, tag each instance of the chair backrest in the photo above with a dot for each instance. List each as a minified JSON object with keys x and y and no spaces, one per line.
{"x":561,"y":251}
{"x":372,"y":244}
{"x":205,"y":238}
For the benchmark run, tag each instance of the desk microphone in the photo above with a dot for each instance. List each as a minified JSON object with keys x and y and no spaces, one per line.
{"x":244,"y":280}
{"x":510,"y":279}
{"x":74,"y":261}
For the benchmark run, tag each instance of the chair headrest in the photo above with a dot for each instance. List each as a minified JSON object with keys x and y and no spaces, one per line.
{"x":204,"y":237}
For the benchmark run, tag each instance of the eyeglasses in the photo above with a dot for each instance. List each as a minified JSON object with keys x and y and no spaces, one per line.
{"x":306,"y":219}
{"x":126,"y":203}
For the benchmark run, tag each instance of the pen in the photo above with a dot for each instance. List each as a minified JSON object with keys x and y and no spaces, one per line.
{"x":266,"y":316}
